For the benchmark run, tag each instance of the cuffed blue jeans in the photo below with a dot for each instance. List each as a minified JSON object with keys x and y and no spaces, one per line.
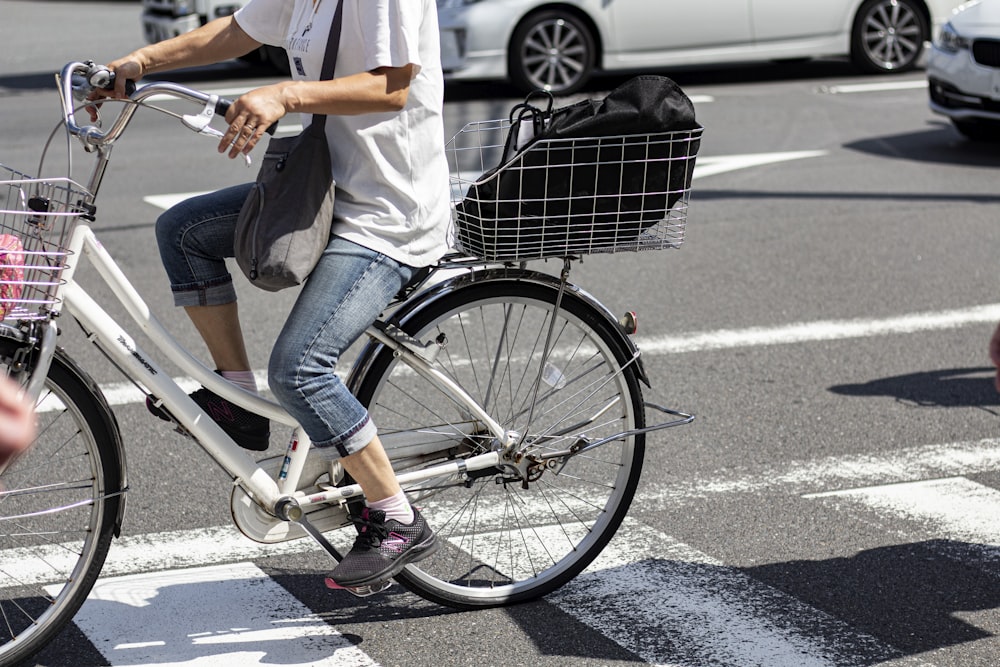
{"x":345,"y":293}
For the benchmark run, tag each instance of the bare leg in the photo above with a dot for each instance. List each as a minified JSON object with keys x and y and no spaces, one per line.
{"x":379,"y":555}
{"x":371,"y":469}
{"x":219,"y":327}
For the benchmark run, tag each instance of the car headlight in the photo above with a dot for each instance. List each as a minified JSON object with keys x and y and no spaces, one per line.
{"x":950,"y":41}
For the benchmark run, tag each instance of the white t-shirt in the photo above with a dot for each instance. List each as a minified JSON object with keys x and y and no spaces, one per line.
{"x":390,"y":168}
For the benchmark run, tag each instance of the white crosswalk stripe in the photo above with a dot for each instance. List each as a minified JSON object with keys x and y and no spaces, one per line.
{"x":243,"y":618}
{"x":696,"y":610}
{"x":955,"y":506}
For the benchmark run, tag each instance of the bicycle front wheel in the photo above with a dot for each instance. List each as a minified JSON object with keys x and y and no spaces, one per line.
{"x":59,"y":503}
{"x":508,"y":539}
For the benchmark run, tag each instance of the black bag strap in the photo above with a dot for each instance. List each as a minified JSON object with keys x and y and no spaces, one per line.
{"x":330,"y":59}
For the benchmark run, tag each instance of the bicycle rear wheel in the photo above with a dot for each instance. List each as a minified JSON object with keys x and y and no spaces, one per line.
{"x":59,"y":505}
{"x":507,"y":540}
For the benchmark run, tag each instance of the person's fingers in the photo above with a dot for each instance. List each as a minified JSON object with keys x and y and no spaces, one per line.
{"x":241,"y":136}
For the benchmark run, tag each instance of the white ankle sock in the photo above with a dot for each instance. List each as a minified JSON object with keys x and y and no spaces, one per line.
{"x":242,"y":379}
{"x":395,"y":507}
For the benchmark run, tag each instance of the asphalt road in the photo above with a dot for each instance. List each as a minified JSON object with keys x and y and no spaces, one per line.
{"x":836,"y":500}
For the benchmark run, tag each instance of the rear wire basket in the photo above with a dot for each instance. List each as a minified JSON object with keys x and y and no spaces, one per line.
{"x":563,"y":197}
{"x":37,"y":218}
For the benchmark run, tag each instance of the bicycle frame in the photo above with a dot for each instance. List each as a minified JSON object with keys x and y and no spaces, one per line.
{"x":128,"y":356}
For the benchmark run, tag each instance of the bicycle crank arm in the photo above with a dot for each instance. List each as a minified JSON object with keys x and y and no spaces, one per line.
{"x":320,"y":539}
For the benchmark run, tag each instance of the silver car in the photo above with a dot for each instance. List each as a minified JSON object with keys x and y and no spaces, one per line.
{"x":558,"y":46}
{"x":963,"y":71}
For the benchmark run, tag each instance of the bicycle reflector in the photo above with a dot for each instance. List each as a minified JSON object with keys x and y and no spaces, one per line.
{"x":629,"y":322}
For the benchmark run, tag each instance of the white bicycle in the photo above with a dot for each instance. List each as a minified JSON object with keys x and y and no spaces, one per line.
{"x":509,"y":401}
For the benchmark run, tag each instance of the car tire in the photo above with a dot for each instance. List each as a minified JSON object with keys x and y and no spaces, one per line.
{"x":889,"y":36}
{"x":552,"y":50}
{"x":978,"y":130}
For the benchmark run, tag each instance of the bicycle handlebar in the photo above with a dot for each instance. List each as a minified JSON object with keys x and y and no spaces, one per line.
{"x":78,"y":79}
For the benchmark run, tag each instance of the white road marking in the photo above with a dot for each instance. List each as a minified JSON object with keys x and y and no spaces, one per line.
{"x":696,"y":611}
{"x":224,"y":544}
{"x":822,"y":330}
{"x":136,"y":554}
{"x":219,"y":616}
{"x":840,"y":472}
{"x":719,"y":164}
{"x":956,"y":506}
{"x":874,"y":87}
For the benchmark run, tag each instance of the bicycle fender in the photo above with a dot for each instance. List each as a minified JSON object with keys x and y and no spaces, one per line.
{"x":431,"y":291}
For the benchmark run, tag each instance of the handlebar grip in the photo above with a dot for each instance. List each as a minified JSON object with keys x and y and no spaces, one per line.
{"x":105,"y":79}
{"x":222,"y":106}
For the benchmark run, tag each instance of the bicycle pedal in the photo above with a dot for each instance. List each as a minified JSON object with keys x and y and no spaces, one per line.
{"x":360,"y":591}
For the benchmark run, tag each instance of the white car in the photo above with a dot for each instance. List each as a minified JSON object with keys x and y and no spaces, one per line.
{"x":558,"y":44}
{"x":963,"y":70}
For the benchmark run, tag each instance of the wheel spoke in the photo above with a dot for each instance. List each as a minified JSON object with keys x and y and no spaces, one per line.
{"x":513,"y":535}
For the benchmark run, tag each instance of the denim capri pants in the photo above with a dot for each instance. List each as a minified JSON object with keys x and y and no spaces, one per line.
{"x":349,"y":288}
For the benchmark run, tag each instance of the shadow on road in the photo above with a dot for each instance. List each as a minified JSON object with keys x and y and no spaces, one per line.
{"x":910,"y":596}
{"x":947,"y":388}
{"x":939,"y":144}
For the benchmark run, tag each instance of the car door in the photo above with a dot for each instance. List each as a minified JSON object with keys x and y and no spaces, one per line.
{"x":644,"y":30}
{"x":778,"y":20}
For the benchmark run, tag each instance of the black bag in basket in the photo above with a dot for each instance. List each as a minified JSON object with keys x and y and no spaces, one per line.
{"x":590,"y":178}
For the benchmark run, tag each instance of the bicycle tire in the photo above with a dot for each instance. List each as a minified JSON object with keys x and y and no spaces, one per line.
{"x":502,"y":544}
{"x":49,"y":560}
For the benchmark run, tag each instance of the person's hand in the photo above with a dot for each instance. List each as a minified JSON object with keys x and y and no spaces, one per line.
{"x":126,"y":69}
{"x":250,"y":116}
{"x":17,"y":421}
{"x":995,"y":354}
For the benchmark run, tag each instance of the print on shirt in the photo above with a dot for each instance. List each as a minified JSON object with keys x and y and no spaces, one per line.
{"x":297,"y":40}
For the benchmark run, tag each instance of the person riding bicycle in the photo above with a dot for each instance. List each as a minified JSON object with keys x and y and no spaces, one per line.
{"x":386,"y":135}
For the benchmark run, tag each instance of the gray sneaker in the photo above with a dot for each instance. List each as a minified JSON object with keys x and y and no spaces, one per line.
{"x":382,"y":549}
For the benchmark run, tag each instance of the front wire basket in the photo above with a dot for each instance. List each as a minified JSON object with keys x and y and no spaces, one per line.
{"x":562,"y":197}
{"x":37,"y":218}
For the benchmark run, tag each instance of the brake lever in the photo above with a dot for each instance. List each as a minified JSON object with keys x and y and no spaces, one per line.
{"x":200,"y":123}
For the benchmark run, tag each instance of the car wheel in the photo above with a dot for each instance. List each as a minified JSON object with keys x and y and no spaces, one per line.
{"x":888,"y":35}
{"x":978,"y":130}
{"x":552,"y":50}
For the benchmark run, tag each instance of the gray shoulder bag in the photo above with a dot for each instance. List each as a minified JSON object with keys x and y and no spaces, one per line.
{"x":284,"y":224}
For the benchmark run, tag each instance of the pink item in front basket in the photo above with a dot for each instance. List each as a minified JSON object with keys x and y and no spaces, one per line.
{"x":11,"y":272}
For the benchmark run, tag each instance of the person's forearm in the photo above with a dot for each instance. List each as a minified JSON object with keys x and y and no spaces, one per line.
{"x":217,"y":41}
{"x":367,"y":92}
